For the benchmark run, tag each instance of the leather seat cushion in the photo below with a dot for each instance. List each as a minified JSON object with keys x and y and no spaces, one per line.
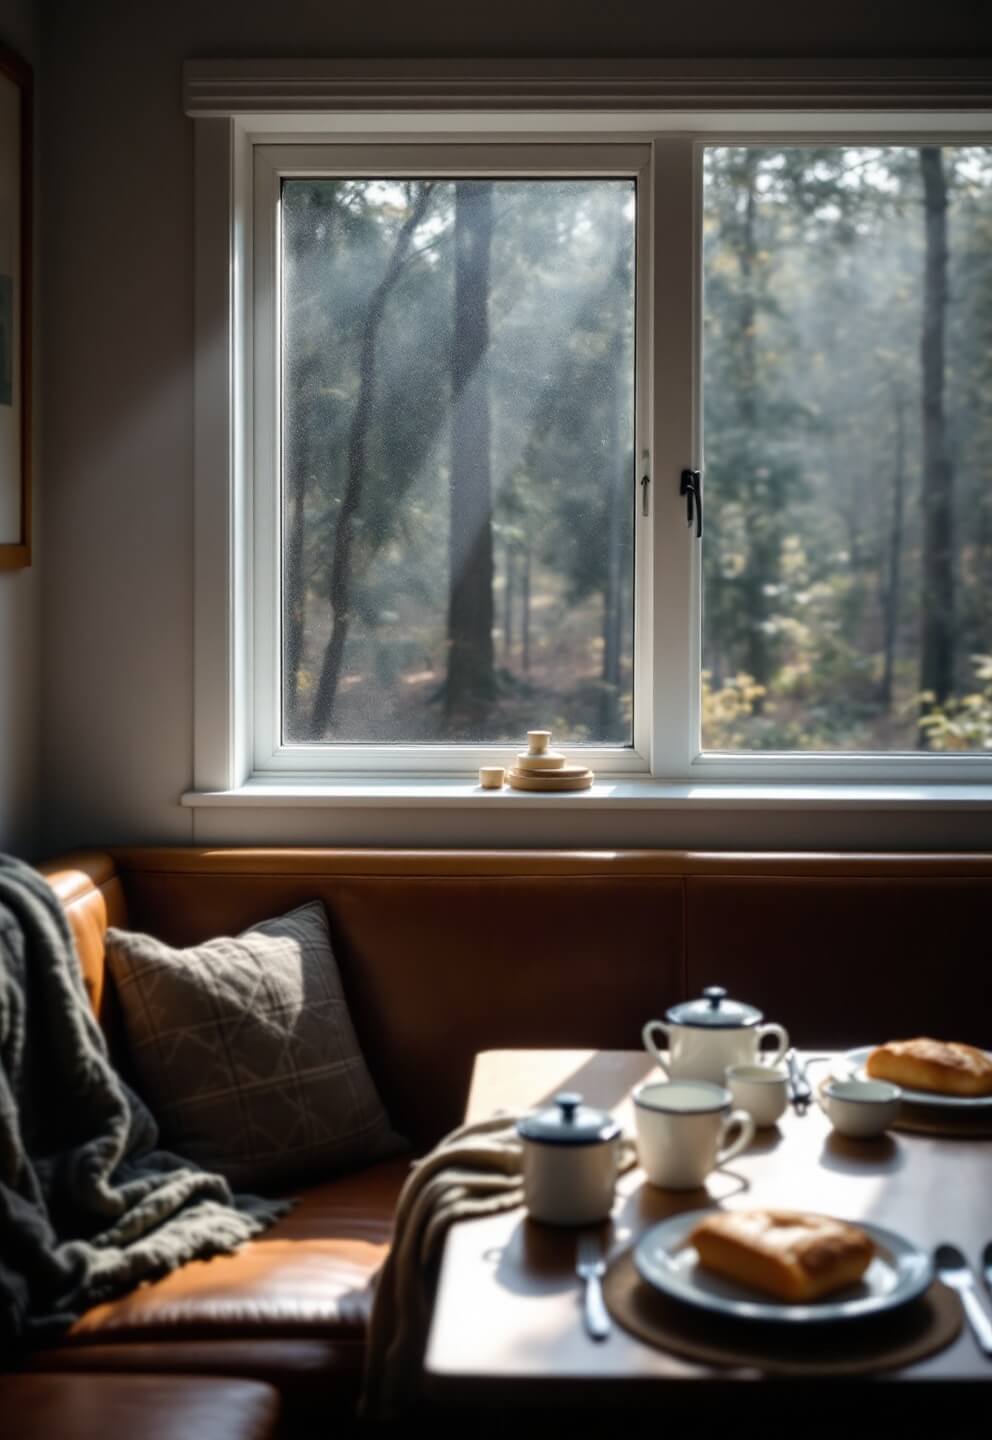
{"x":312,"y":1376}
{"x":306,"y":1276}
{"x":85,"y":1407}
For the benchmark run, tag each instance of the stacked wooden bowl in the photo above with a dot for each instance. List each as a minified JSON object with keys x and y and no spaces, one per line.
{"x":540,"y":768}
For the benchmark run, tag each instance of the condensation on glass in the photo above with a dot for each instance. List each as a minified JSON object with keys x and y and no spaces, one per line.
{"x":847,"y":593}
{"x":457,"y":443}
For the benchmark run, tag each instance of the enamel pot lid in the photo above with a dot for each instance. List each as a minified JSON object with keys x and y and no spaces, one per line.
{"x":569,"y":1122}
{"x":715,"y":1011}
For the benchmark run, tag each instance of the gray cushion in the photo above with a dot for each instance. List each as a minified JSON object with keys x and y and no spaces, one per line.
{"x":246,"y":1053}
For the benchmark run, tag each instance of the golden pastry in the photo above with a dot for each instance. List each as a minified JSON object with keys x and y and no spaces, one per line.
{"x":944,"y":1067}
{"x":793,"y":1256}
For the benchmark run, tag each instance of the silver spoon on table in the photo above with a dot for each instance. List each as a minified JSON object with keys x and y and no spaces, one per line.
{"x":954,"y":1270}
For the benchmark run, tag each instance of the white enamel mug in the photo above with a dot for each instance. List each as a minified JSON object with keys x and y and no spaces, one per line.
{"x":682,"y":1130}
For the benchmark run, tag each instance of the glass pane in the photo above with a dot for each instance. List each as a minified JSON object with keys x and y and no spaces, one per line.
{"x":457,"y":460}
{"x":847,"y":600}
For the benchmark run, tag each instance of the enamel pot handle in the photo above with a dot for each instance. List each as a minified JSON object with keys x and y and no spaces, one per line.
{"x":781,"y":1035}
{"x":647,"y":1035}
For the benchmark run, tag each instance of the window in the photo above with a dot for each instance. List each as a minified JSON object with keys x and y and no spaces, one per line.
{"x":847,"y":561}
{"x":455,"y":431}
{"x":446,"y":429}
{"x":470,"y":367}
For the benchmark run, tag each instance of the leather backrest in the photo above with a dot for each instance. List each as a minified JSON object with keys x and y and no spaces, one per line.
{"x":90,"y":890}
{"x":849,"y":959}
{"x":444,"y":954}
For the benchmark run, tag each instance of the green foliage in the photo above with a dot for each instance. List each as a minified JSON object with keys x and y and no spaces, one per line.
{"x":963,"y":723}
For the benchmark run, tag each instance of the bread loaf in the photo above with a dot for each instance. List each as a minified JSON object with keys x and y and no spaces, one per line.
{"x":942,"y":1067}
{"x":795,"y":1257}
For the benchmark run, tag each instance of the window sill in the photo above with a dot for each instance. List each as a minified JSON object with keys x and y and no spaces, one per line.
{"x":461,"y":793}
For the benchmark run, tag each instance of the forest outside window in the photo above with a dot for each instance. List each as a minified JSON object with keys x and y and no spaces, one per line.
{"x":457,"y":459}
{"x":847,"y":564}
{"x":446,"y":430}
{"x":478,"y":372}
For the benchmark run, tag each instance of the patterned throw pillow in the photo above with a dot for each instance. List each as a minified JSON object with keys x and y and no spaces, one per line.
{"x":245,"y":1051}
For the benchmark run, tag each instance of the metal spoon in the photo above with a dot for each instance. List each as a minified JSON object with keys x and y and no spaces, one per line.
{"x":954,"y":1270}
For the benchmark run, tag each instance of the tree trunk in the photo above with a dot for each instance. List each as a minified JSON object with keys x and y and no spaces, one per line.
{"x":295,"y":596}
{"x":510,"y":584}
{"x":612,"y":478}
{"x":340,"y":583}
{"x":762,"y":564}
{"x":301,"y":465}
{"x":470,"y":683}
{"x":937,"y":651}
{"x":983,"y":603}
{"x":525,"y":614}
{"x":892,"y":589}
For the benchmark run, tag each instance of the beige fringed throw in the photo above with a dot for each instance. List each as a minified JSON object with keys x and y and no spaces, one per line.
{"x":476,"y":1170}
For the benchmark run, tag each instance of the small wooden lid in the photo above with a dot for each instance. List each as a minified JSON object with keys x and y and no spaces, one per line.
{"x":551,"y":760}
{"x":538,"y":740}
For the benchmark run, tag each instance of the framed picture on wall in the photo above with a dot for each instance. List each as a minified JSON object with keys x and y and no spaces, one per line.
{"x":16,"y":108}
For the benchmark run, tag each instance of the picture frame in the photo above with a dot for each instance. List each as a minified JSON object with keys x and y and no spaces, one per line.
{"x":16,"y":166}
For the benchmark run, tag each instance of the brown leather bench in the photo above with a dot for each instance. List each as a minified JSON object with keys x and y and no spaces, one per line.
{"x":444,"y":954}
{"x":89,"y":1407}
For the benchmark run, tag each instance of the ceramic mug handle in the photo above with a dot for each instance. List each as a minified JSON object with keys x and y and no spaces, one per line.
{"x":745,"y":1121}
{"x":781,"y":1035}
{"x":647,"y":1035}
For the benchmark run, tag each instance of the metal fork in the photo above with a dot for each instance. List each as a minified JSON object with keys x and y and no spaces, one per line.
{"x":954,"y":1270}
{"x":590,"y":1266}
{"x":800,"y":1090}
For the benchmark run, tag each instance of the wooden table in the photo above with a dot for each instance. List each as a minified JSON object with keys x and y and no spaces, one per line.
{"x":507,"y":1325}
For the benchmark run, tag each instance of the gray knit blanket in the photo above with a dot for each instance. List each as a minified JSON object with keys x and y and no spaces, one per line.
{"x":89,"y":1206}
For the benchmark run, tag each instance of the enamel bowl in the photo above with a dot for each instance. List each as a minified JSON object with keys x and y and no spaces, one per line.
{"x":860,"y":1108}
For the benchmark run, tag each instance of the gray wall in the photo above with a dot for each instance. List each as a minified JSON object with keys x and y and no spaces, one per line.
{"x":20,"y":590}
{"x":117,"y":259}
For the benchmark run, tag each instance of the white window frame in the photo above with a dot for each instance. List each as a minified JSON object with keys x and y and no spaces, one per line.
{"x":272,"y":165}
{"x":234,"y":124}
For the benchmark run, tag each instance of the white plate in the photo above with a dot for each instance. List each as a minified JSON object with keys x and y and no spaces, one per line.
{"x":664,"y":1258}
{"x":854,"y":1063}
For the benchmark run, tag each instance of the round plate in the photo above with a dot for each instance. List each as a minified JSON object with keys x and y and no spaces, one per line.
{"x":855,"y":1061}
{"x":665,"y":1259}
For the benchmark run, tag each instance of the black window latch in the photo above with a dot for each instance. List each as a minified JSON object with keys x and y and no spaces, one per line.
{"x":692,"y":488}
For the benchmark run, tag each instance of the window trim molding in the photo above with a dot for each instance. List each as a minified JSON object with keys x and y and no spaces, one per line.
{"x":253,"y":87}
{"x":237,"y":105}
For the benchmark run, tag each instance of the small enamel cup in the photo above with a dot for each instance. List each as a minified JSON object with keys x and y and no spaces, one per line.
{"x":860,"y":1108}
{"x":682,"y":1130}
{"x":761,"y":1090}
{"x":571,"y":1157}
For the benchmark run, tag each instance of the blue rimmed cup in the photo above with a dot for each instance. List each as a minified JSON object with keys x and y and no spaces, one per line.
{"x":683,"y":1131}
{"x":860,"y":1108}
